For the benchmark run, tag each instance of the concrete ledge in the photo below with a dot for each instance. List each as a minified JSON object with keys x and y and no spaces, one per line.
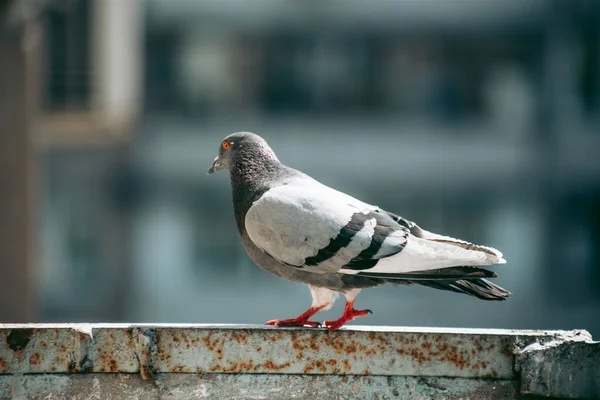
{"x":434,"y":362}
{"x":244,"y":386}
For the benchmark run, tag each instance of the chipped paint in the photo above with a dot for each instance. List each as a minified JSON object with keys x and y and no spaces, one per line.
{"x":150,"y":350}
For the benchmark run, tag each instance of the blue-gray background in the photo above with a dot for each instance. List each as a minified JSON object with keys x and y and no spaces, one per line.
{"x":479,"y":120}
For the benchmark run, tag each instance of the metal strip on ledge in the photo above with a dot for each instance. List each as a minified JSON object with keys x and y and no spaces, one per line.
{"x":400,"y":354}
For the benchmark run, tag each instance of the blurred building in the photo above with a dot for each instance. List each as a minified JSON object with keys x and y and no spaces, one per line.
{"x":479,"y":120}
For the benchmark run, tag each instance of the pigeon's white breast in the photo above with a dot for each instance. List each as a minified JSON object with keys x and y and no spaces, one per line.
{"x":294,"y":221}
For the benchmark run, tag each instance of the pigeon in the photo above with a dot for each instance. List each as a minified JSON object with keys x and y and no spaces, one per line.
{"x":299,"y":229}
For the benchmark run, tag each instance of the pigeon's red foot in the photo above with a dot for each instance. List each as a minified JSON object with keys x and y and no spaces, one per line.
{"x":349,"y":314}
{"x":301,"y":320}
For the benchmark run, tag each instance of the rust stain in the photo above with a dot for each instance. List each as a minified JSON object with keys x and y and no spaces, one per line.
{"x":108,"y":363}
{"x":440,"y":350}
{"x":270,"y":365}
{"x":507,"y":350}
{"x":297,"y":344}
{"x":240,"y":336}
{"x":274,"y":336}
{"x":319,"y":365}
{"x":177,"y":368}
{"x":208,"y":341}
{"x":145,"y":370}
{"x":211,"y":343}
{"x":72,"y":367}
{"x":370,"y":352}
{"x":351,"y":348}
{"x":183,"y":337}
{"x":242,"y":366}
{"x":347,"y":365}
{"x":18,"y":339}
{"x":259,"y":349}
{"x":35,"y":359}
{"x":3,"y":366}
{"x":219,"y":354}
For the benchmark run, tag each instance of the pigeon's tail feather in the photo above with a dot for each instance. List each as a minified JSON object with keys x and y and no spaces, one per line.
{"x":422,"y":233}
{"x":443,"y":274}
{"x":480,"y":288}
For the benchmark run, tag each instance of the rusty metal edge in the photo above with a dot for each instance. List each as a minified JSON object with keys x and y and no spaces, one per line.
{"x":211,"y":348}
{"x":86,"y":327}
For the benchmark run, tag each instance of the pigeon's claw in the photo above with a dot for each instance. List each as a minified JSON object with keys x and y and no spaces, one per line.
{"x":301,"y":320}
{"x":349,"y":314}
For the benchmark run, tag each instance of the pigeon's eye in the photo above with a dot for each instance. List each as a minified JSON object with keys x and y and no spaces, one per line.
{"x":226,"y":145}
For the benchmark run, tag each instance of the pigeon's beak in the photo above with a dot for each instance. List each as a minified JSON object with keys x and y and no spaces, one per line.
{"x":216,"y":165}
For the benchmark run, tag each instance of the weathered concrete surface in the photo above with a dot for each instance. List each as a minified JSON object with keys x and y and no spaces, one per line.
{"x":178,"y":361}
{"x":250,"y":386}
{"x":569,"y":368}
{"x":234,"y":349}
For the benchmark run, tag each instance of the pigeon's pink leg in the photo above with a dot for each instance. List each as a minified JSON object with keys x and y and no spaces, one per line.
{"x":349,"y":314}
{"x":300,"y":320}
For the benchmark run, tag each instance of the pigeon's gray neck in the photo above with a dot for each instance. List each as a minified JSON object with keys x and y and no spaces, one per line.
{"x":251,"y":176}
{"x":252,"y":169}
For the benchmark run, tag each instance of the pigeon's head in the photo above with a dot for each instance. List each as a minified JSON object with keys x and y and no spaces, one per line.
{"x":241,"y":148}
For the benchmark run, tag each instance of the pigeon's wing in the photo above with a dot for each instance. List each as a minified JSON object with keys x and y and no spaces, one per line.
{"x":428,"y":256}
{"x":308,"y":225}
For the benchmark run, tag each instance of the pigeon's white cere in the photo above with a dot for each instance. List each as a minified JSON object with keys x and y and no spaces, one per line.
{"x":294,"y":221}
